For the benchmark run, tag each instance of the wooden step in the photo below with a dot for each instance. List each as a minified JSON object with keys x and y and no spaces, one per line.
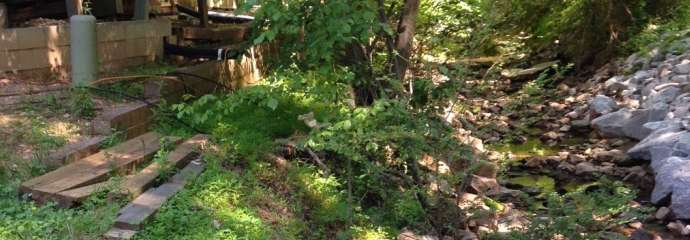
{"x":95,"y":168}
{"x":136,"y":213}
{"x":180,"y":157}
{"x":134,"y":185}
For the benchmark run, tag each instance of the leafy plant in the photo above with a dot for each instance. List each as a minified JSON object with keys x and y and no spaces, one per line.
{"x":113,"y":139}
{"x":80,"y":103}
{"x":161,"y":158}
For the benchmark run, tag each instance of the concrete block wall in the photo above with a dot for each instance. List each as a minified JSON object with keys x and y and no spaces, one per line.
{"x":46,"y":50}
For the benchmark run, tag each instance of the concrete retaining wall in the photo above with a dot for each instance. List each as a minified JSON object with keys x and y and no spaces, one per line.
{"x":46,"y":50}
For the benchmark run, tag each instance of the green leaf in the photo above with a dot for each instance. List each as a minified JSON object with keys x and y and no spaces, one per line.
{"x":259,"y":39}
{"x":272,"y":103}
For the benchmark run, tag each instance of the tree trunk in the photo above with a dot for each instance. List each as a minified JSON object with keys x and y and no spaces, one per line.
{"x":403,"y":42}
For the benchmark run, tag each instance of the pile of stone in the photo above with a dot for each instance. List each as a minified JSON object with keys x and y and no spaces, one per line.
{"x":652,"y":105}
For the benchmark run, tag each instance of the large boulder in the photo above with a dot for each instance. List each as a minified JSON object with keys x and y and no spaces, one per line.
{"x":664,"y":96}
{"x":601,"y":104}
{"x":626,"y":123}
{"x":673,"y":179}
{"x":611,"y":125}
{"x":659,"y":144}
{"x":683,"y":67}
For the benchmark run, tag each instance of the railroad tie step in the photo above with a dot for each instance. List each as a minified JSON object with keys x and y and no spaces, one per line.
{"x":95,"y":168}
{"x":134,"y":215}
{"x":134,"y":185}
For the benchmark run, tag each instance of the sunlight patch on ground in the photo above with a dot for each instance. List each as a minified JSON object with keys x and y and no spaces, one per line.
{"x":64,"y":130}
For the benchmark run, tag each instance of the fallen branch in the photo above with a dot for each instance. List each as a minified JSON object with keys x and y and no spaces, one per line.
{"x":318,"y":161}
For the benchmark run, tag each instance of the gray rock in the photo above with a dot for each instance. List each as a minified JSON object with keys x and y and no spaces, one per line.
{"x":649,"y":85}
{"x":662,"y":213}
{"x":674,"y":178}
{"x":680,"y":78}
{"x":653,"y":126}
{"x":665,"y":95}
{"x":680,"y":199}
{"x":580,"y":123}
{"x":627,"y":123}
{"x":666,"y":176}
{"x":682,"y":68}
{"x":611,"y":125}
{"x":633,"y":126}
{"x":659,"y":111}
{"x":617,"y":83}
{"x":601,"y":104}
{"x":665,"y":69}
{"x":665,"y":138}
{"x":642,"y":75}
{"x":681,"y":106}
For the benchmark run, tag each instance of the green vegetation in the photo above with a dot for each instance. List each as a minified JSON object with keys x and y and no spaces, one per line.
{"x":361,"y":127}
{"x":25,"y":220}
{"x":26,"y":139}
{"x":581,"y":214}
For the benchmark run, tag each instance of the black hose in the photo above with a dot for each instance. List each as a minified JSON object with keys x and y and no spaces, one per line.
{"x":207,"y":53}
{"x":217,"y":83}
{"x":150,"y":104}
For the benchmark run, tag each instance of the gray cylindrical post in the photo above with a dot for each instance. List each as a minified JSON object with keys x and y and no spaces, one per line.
{"x":83,"y":49}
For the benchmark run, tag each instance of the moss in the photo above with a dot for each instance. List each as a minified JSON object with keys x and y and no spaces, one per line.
{"x":545,"y":184}
{"x":531,"y":148}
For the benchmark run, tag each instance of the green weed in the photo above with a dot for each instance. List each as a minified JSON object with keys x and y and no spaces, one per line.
{"x":116,"y":137}
{"x":80,"y":103}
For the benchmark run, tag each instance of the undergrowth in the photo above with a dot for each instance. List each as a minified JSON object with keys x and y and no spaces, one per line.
{"x":582,"y":214}
{"x":369,"y":185}
{"x":23,"y":219}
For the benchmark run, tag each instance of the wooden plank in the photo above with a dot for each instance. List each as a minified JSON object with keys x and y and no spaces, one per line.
{"x":75,"y":151}
{"x":69,"y":198}
{"x":93,"y":160}
{"x":231,"y":33}
{"x":135,"y":214}
{"x":94,"y":168}
{"x":135,"y":185}
{"x":178,"y":158}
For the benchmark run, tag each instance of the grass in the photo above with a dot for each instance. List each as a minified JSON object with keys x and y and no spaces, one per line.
{"x":258,"y":202}
{"x":22,"y":219}
{"x":26,"y":137}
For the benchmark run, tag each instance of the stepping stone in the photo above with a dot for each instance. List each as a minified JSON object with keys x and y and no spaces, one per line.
{"x":119,"y":234}
{"x":135,"y":214}
{"x":95,"y":168}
